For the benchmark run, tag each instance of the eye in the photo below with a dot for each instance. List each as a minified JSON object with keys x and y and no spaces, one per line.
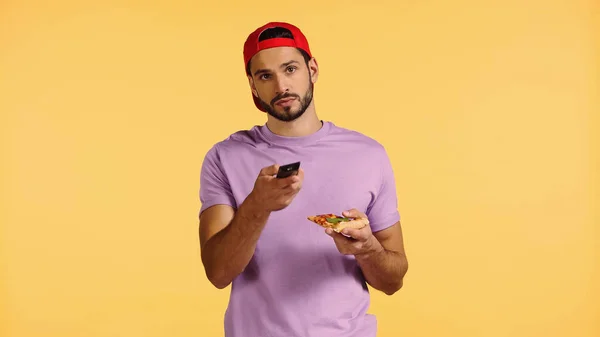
{"x":290,"y":69}
{"x":264,"y":76}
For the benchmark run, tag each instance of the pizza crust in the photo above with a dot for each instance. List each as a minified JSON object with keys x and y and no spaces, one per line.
{"x":356,"y":223}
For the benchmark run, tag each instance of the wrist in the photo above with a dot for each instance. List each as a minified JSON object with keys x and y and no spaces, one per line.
{"x":373,"y":249}
{"x":254,"y":207}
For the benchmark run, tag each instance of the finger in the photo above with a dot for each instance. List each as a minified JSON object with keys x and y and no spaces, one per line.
{"x":338,"y":237}
{"x":357,"y":234}
{"x":300,"y":174}
{"x":288,"y":182}
{"x":293,"y":186}
{"x":354,"y":213}
{"x":299,"y":177}
{"x":269,"y":170}
{"x":288,"y":197}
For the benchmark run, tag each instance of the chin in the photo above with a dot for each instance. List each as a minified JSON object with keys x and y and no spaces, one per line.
{"x":285,"y":116}
{"x":289,"y":111}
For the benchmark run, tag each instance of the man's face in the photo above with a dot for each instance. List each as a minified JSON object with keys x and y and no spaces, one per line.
{"x":282,"y":81}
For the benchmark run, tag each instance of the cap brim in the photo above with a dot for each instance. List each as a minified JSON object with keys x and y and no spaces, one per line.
{"x":257,"y":103}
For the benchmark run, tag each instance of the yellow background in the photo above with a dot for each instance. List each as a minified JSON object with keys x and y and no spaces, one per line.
{"x":489,"y":111}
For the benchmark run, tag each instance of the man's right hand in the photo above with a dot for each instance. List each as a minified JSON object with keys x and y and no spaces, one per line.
{"x":274,"y":194}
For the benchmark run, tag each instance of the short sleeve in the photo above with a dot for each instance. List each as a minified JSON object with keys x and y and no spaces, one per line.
{"x":383,"y":209}
{"x":214,"y":185}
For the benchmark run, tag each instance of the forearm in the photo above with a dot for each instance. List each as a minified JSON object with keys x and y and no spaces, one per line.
{"x":227,"y":253}
{"x":383,"y":269}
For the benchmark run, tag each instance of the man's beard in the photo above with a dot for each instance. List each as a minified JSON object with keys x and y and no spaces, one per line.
{"x":289,"y":115}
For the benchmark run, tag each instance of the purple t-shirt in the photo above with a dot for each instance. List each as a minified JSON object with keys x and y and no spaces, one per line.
{"x":298,"y":283}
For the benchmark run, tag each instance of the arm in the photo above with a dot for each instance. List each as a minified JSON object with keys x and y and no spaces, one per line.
{"x":380,"y":255}
{"x":382,"y":259}
{"x":386,"y":264}
{"x":228,"y":239}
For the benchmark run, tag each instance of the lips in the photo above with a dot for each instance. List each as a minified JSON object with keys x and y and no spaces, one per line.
{"x":284,"y":101}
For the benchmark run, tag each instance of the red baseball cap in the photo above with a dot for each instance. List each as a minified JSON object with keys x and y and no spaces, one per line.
{"x":252,"y":46}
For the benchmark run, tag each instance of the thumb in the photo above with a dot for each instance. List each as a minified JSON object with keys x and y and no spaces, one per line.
{"x":354,"y":213}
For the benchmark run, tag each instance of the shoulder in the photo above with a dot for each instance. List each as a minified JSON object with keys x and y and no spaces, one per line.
{"x":358,"y":140}
{"x":236,"y":142}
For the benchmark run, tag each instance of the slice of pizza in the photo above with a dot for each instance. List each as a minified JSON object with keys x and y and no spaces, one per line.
{"x":337,"y":223}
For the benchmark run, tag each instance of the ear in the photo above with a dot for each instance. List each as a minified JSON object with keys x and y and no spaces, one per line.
{"x":252,"y":87}
{"x":313,"y":68}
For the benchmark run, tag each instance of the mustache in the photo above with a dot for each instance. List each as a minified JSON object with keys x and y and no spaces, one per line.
{"x":282,"y":96}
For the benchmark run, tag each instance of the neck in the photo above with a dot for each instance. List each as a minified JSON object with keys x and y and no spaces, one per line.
{"x":307,"y":124}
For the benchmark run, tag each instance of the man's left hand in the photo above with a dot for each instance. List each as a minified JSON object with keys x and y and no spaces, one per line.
{"x":358,"y":241}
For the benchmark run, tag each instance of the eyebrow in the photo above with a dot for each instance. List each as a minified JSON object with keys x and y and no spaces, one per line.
{"x":283,"y":65}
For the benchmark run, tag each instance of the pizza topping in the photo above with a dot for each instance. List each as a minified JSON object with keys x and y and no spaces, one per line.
{"x":337,"y":219}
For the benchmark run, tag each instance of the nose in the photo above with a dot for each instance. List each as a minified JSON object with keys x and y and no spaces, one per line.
{"x":281,"y":85}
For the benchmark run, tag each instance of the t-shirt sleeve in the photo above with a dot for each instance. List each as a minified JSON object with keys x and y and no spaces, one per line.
{"x":214,"y":185}
{"x":383,"y":210}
